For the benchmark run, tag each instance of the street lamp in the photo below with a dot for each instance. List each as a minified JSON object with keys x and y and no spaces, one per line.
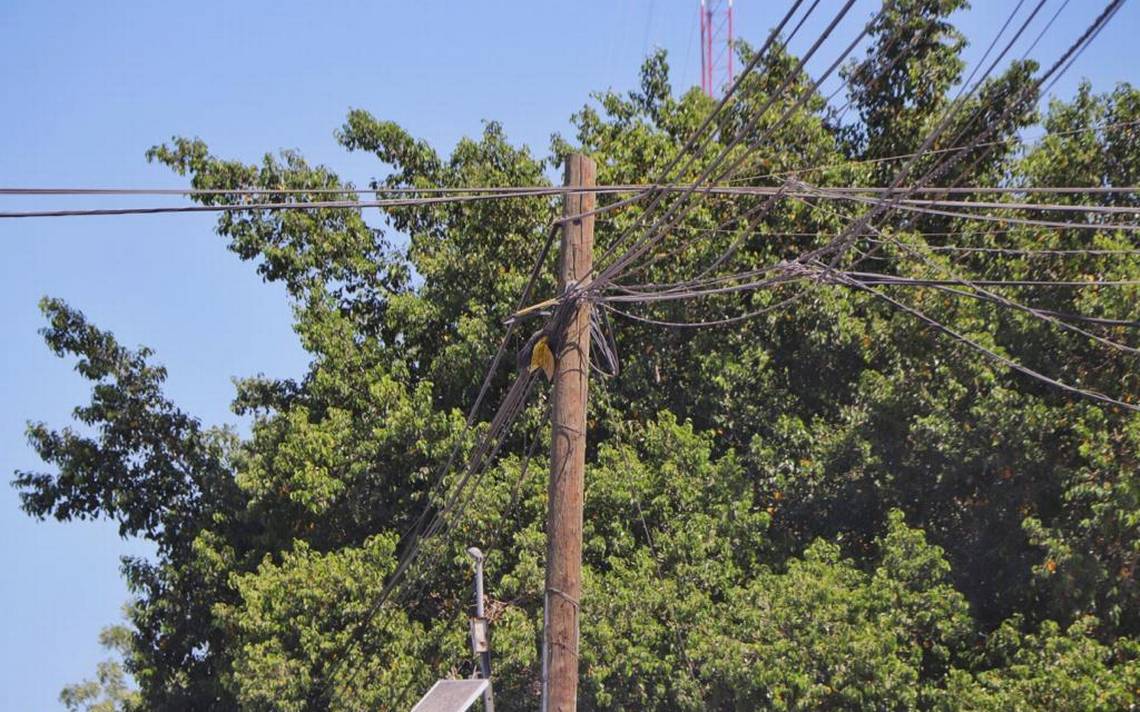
{"x":480,"y":633}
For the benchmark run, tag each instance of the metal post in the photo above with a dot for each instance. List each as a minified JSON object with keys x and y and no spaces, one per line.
{"x":710,"y":59}
{"x":704,"y":59}
{"x":731,"y":51}
{"x":480,"y":640}
{"x":479,"y":587}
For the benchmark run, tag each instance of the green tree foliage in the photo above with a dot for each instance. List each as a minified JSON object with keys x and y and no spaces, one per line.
{"x":110,"y":690}
{"x":829,"y":505}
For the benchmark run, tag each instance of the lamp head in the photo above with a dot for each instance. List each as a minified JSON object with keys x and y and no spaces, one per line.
{"x":475,"y":553}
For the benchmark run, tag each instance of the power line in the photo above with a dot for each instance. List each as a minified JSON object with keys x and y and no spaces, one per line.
{"x":1048,"y":24}
{"x":711,"y":322}
{"x":873,"y":278}
{"x":1107,"y":15}
{"x":993,"y":43}
{"x":977,"y":286}
{"x":302,"y":205}
{"x":1069,"y":316}
{"x":974,"y":204}
{"x":978,"y":291}
{"x":690,"y":149}
{"x":1004,"y":219}
{"x":898,"y":178}
{"x":993,"y":355}
{"x":1025,"y":252}
{"x":884,"y":206}
{"x":555,"y":190}
{"x":655,"y":233}
{"x":786,"y":272}
{"x":923,"y":189}
{"x":828,"y":272}
{"x":504,"y":192}
{"x":933,"y":152}
{"x":836,"y":245}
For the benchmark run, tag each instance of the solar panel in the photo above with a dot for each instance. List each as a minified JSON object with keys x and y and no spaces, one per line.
{"x":451,"y":696}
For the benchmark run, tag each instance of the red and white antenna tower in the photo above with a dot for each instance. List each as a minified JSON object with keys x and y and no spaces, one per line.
{"x":717,"y":70}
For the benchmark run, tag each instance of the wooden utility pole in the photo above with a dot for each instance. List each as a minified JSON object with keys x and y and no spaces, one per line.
{"x":568,"y":452}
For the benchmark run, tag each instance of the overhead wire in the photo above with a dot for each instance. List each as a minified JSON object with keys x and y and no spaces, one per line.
{"x":994,"y":355}
{"x":906,"y":169}
{"x":874,"y":278}
{"x":859,"y":225}
{"x":979,"y":287}
{"x":551,"y":190}
{"x":993,"y":43}
{"x":976,"y":86}
{"x":1044,"y":30}
{"x":691,"y":148}
{"x":1002,"y":219}
{"x":342,"y":190}
{"x":659,"y":229}
{"x":454,"y":503}
{"x":864,"y":281}
{"x":708,"y":322}
{"x":296,"y":205}
{"x":1076,"y":55}
{"x":686,"y":290}
{"x":1068,"y":316}
{"x":994,"y":64}
{"x":516,"y":400}
{"x":955,"y":106}
{"x":1022,"y":206}
{"x":1064,"y":61}
{"x":1029,"y":252}
{"x":932,"y":152}
{"x":684,"y":206}
{"x":639,"y":193}
{"x":853,"y":278}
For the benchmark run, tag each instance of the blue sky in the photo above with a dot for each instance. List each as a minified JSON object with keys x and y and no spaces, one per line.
{"x":89,"y":86}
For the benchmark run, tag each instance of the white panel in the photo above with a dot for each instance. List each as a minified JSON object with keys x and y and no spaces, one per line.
{"x":451,"y":696}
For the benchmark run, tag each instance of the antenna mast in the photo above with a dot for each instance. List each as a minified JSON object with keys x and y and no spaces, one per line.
{"x":717,"y":59}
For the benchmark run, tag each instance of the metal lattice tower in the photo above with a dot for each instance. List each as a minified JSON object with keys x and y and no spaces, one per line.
{"x":717,"y":70}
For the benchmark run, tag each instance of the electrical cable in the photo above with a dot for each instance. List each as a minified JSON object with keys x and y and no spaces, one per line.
{"x":975,"y":285}
{"x":837,"y":244}
{"x":993,"y":355}
{"x":690,"y":148}
{"x":932,"y":152}
{"x":659,"y":229}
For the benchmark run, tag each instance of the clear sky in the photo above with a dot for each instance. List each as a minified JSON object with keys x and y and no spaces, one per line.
{"x":89,"y":86}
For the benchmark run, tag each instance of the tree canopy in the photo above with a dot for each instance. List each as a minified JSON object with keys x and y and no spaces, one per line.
{"x":828,"y":506}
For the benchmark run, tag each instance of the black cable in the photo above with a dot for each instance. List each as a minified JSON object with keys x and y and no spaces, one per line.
{"x":681,"y":208}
